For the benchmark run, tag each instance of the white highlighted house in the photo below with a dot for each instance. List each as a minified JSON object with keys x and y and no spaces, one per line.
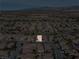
{"x":39,"y":38}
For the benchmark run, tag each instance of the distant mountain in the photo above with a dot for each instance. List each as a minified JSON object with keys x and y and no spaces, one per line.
{"x":52,"y":8}
{"x":45,"y":9}
{"x":72,"y":8}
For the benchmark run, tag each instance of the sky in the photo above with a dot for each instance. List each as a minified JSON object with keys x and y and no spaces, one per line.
{"x":22,"y":4}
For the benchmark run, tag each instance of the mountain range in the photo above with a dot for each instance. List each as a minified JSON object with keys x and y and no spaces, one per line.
{"x":70,"y":8}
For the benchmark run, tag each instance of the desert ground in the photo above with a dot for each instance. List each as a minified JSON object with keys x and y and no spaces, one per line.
{"x":59,"y":30}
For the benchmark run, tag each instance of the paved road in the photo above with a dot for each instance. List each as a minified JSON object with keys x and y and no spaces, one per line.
{"x":46,"y":50}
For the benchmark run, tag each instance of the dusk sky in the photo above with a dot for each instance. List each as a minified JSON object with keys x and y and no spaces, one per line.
{"x":21,"y":4}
